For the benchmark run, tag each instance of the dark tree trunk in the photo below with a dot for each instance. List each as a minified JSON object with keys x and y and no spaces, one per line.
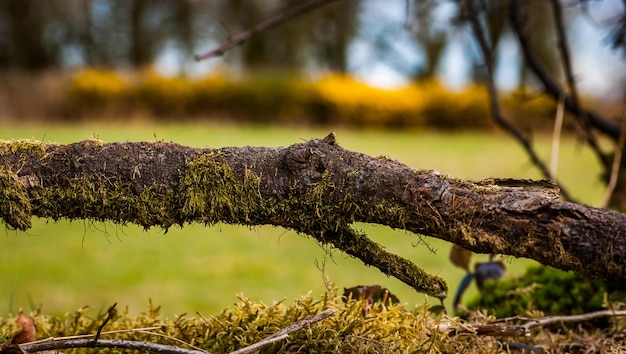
{"x":316,"y":188}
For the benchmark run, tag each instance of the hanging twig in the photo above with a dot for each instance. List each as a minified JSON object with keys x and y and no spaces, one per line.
{"x":615,"y":168}
{"x":556,"y":140}
{"x":264,"y":26}
{"x":487,"y":52}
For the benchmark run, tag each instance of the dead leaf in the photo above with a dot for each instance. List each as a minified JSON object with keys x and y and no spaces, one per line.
{"x":27,"y":334}
{"x":460,"y":257}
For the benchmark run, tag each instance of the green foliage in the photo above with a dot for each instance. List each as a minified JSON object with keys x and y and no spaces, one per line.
{"x":545,"y":289}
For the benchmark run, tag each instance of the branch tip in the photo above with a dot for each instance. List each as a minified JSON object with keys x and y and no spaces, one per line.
{"x":330,"y":139}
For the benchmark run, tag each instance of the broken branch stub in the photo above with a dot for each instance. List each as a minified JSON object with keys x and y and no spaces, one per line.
{"x":316,"y":188}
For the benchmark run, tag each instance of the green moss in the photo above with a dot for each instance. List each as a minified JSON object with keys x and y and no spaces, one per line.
{"x":96,"y":198}
{"x":485,"y":189}
{"x":29,"y":147}
{"x":388,"y":328}
{"x":213,"y":193}
{"x":15,"y":206}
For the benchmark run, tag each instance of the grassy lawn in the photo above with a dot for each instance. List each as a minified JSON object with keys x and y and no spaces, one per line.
{"x":63,"y":266}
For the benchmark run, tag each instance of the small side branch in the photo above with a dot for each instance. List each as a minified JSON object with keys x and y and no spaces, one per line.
{"x":264,"y":26}
{"x":372,"y":254}
{"x":111,"y":313}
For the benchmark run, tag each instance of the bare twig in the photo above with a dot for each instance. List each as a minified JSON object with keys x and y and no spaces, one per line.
{"x":556,"y":140}
{"x":544,"y":321}
{"x":111,"y":313}
{"x":497,"y":329}
{"x":264,"y":26}
{"x":172,"y":339}
{"x":615,"y":168}
{"x":258,"y":345}
{"x":142,"y":330}
{"x":105,"y":343}
{"x":145,"y":330}
{"x":487,"y":52}
{"x":285,"y":332}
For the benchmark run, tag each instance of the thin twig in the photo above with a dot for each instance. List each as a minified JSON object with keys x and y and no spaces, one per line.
{"x":556,"y":140}
{"x":132,"y":330}
{"x":111,"y":313}
{"x":285,"y":332}
{"x":263,"y":26}
{"x":615,"y":168}
{"x":511,"y":330}
{"x":487,"y":52}
{"x":106,"y":343}
{"x":258,"y":345}
{"x":145,"y":330}
{"x":172,"y":339}
{"x":544,"y":321}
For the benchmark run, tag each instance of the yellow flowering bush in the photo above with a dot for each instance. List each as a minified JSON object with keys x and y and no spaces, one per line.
{"x":282,"y":98}
{"x":259,"y":98}
{"x":164,"y":95}
{"x":96,"y":88}
{"x":353,"y":102}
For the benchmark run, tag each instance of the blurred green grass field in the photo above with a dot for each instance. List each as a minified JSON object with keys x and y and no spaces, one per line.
{"x":62,"y":266}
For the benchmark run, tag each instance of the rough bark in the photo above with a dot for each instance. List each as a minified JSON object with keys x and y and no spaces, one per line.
{"x":316,"y":188}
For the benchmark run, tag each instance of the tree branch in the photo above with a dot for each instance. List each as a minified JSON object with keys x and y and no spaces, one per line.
{"x":316,"y":188}
{"x":551,"y":86}
{"x":264,"y":26}
{"x":557,"y":13}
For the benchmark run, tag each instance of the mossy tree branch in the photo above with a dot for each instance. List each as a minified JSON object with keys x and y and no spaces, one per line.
{"x":316,"y":188}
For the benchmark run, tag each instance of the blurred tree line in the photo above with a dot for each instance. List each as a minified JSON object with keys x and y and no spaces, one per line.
{"x":37,"y":35}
